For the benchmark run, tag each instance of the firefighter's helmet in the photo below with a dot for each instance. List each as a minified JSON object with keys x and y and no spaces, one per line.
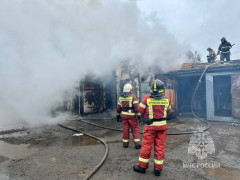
{"x":127,"y":88}
{"x":157,"y":89}
{"x":223,"y":39}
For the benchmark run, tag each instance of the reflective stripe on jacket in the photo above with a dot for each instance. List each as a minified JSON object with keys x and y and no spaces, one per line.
{"x":155,"y":108}
{"x":130,"y":103}
{"x":225,"y":47}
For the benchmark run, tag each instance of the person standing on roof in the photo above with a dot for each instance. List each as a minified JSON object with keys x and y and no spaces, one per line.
{"x":127,"y":110}
{"x":211,"y":58}
{"x":197,"y":57}
{"x":224,"y":48}
{"x":155,"y":107}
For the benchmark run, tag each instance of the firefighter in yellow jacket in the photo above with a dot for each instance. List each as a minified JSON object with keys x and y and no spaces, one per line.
{"x":127,"y":110}
{"x":211,"y":58}
{"x":155,"y":107}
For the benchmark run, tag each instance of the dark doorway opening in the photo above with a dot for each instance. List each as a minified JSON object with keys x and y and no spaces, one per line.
{"x":185,"y":88}
{"x":222,"y":95}
{"x":76,"y":103}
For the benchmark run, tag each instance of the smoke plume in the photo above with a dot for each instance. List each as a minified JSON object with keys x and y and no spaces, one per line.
{"x":46,"y":47}
{"x":199,"y":24}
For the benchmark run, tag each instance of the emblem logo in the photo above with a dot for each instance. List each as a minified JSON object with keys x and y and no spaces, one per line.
{"x":200,"y":145}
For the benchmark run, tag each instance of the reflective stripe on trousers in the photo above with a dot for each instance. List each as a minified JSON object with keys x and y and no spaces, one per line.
{"x":143,"y":160}
{"x":136,"y":140}
{"x":159,"y":162}
{"x":150,"y":135}
{"x":133,"y":124}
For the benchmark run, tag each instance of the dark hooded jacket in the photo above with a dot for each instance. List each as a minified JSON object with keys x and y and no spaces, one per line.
{"x":224,"y":47}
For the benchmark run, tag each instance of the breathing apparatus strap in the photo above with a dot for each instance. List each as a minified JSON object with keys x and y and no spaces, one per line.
{"x":126,"y":108}
{"x":150,"y":121}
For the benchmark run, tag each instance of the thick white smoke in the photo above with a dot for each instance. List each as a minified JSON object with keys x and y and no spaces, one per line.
{"x":47,"y":46}
{"x":200,"y":24}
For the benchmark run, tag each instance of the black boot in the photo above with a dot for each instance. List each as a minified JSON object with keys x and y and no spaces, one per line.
{"x":125,"y":146}
{"x":157,"y":172}
{"x":137,"y":168}
{"x":138,"y":147}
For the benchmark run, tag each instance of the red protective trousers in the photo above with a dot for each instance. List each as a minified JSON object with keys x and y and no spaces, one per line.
{"x":133,"y":124}
{"x":156,"y":134}
{"x":156,"y":110}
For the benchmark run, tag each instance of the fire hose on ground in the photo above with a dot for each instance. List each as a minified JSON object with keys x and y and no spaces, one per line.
{"x":104,"y":127}
{"x":175,"y":133}
{"x":102,"y":141}
{"x":105,"y":144}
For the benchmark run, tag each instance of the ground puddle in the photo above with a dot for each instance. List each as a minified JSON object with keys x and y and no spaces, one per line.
{"x":16,"y":151}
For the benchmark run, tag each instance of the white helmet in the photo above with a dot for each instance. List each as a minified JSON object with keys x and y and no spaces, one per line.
{"x":127,"y":88}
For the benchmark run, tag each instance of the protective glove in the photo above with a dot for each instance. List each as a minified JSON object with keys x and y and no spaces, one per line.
{"x":139,"y":118}
{"x":118,"y":118}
